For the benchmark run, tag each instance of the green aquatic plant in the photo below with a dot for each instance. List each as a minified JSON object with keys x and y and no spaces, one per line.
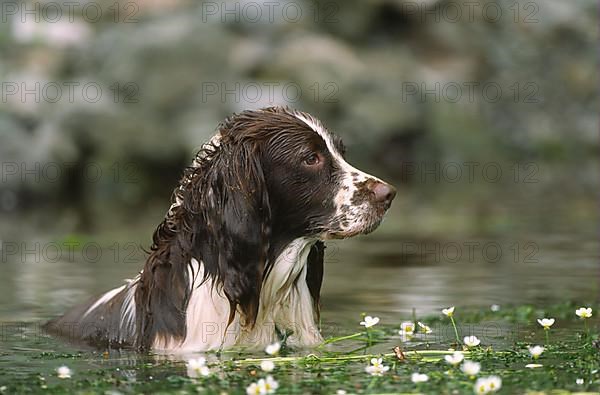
{"x":353,"y":363}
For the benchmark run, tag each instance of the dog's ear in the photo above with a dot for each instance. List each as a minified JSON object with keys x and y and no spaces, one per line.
{"x":238,"y":224}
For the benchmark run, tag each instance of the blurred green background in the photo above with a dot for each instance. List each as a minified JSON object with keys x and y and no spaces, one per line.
{"x":484,"y":114}
{"x":391,"y":77}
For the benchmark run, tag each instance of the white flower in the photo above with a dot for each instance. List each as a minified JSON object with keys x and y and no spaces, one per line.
{"x":536,"y":351}
{"x":369,"y":321}
{"x":424,"y":328}
{"x":533,"y":365}
{"x":273,"y":349}
{"x":579,"y":381}
{"x":584,"y":312}
{"x":197,"y":367}
{"x":494,"y":383}
{"x":407,"y":328}
{"x":64,"y":372}
{"x":253,"y":389}
{"x":486,"y":385}
{"x":263,"y":386}
{"x":419,"y":378}
{"x":267,"y":366}
{"x":495,"y":307}
{"x":471,"y":368}
{"x":546,"y":322}
{"x":481,"y":386}
{"x":269,"y":385}
{"x":340,"y":392}
{"x":455,"y":358}
{"x":449,"y":311}
{"x":471,"y":341}
{"x":377,"y":368}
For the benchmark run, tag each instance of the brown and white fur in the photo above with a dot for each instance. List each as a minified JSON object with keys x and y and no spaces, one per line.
{"x":238,"y":259}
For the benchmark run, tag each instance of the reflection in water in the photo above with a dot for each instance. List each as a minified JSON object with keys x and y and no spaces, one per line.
{"x":391,"y":282}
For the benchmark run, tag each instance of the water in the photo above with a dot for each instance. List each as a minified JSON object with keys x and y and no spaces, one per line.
{"x":376,"y":274}
{"x":409,"y":263}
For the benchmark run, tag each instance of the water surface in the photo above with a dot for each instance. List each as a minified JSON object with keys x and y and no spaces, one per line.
{"x":523,"y":258}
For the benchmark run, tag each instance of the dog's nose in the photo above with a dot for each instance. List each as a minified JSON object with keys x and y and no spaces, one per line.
{"x":384,"y":193}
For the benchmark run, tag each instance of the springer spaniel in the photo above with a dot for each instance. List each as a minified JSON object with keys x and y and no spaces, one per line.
{"x":238,"y":259}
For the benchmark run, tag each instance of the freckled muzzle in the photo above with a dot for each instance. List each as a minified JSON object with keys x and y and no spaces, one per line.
{"x":368,"y":204}
{"x":377,"y":194}
{"x":378,"y":199}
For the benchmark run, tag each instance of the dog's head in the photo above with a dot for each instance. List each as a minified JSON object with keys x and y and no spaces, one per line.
{"x":290,"y":169}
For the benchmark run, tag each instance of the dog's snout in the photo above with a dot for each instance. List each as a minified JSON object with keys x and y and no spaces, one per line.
{"x":384,"y":193}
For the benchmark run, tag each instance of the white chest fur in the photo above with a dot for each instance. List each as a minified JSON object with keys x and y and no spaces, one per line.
{"x":285,"y":305}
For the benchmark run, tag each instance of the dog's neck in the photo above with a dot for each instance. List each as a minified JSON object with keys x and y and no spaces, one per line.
{"x":288,"y":269}
{"x":286,"y":306}
{"x":285,"y":301}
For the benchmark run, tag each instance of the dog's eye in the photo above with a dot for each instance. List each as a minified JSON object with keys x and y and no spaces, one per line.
{"x":312,"y":160}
